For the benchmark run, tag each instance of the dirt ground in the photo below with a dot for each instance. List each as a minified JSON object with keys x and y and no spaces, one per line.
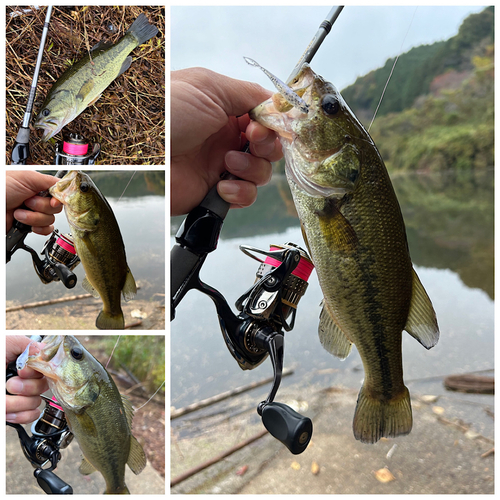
{"x":81,"y":315}
{"x":442,"y":454}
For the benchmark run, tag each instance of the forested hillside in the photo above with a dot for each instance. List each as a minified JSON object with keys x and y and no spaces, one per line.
{"x":416,"y":70}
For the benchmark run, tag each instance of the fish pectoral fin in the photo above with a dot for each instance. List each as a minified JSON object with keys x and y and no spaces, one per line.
{"x":332,"y":338}
{"x":129,"y":288}
{"x":336,"y":229}
{"x":87,"y":424}
{"x":86,"y":467}
{"x":136,"y":457}
{"x":126,"y":65}
{"x":421,"y":323}
{"x":85,"y":90}
{"x":89,"y":288}
{"x":88,"y":242}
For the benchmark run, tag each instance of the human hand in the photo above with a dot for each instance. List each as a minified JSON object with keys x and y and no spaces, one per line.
{"x":22,"y":406}
{"x":209,"y":127}
{"x":23,"y":186}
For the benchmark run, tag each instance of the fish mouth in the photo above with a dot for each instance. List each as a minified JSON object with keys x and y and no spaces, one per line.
{"x":43,"y":361}
{"x":49,"y":127}
{"x":63,"y":188}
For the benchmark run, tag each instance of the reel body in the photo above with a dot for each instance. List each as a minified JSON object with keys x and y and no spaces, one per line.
{"x":74,"y":150}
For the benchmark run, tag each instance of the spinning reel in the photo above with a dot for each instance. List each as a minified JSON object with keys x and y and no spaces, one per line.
{"x":74,"y":150}
{"x":59,"y":254}
{"x":50,"y":433}
{"x":266,"y":309}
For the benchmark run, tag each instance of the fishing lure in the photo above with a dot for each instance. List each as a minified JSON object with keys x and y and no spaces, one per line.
{"x":23,"y":358}
{"x":288,"y":94}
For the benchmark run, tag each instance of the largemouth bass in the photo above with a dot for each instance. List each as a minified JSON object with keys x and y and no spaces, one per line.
{"x":98,"y":416}
{"x":354,"y":229}
{"x":81,"y":85}
{"x":99,"y":245}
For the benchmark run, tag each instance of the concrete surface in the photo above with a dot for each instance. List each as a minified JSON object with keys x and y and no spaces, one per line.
{"x":442,"y":454}
{"x":20,"y":479}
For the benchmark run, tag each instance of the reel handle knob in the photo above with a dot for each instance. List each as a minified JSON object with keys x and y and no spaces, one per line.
{"x":52,"y":484}
{"x":66,"y":275}
{"x":286,"y":425}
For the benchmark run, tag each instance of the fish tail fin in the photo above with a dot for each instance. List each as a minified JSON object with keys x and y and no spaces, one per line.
{"x":119,"y":491}
{"x":375,"y":418}
{"x":141,"y":30}
{"x":108,"y":321}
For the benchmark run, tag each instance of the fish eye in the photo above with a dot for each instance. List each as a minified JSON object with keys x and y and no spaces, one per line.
{"x":84,"y":187}
{"x":77,"y":353}
{"x":46,"y":112}
{"x":330,"y":104}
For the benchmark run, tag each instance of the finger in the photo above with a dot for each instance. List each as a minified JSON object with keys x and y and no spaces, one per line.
{"x":15,"y":345}
{"x":16,"y":404}
{"x":269,"y":151}
{"x":248,"y":167}
{"x":43,"y":205}
{"x":27,"y":387}
{"x":258,"y":134}
{"x":43,"y":230}
{"x":24,"y":417}
{"x":238,"y":193}
{"x":36,"y":219}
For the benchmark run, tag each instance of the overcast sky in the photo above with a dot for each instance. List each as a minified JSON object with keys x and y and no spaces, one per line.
{"x":362,"y":38}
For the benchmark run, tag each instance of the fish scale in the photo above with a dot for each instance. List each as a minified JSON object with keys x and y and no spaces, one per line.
{"x":354,"y":230}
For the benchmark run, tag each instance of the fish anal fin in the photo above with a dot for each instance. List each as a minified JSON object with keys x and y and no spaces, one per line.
{"x":129,"y":288}
{"x":136,"y":457}
{"x":332,"y":338}
{"x":336,"y":229}
{"x":421,"y":323}
{"x":126,"y":65}
{"x":86,"y":467}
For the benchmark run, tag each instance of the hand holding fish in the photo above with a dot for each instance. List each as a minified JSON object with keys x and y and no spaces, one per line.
{"x":210,"y":126}
{"x":23,"y":187}
{"x":22,"y":405}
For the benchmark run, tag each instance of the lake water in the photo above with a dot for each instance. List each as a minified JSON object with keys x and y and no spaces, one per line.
{"x":449,"y":222}
{"x":141,"y":216}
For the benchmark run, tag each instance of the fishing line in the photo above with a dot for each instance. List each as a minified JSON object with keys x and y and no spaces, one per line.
{"x":116,"y":344}
{"x":392,"y":70}
{"x":162,"y":384}
{"x":127,"y":185}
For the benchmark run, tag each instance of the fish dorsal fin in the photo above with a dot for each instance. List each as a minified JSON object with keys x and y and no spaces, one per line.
{"x":101,"y":45}
{"x":129,"y":288}
{"x":126,"y":65}
{"x":86,"y":467}
{"x":136,"y":457}
{"x":89,"y":288}
{"x":422,"y":323}
{"x":332,"y":338}
{"x":129,"y":411}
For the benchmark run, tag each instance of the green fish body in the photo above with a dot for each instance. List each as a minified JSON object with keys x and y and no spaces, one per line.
{"x":354,"y":229}
{"x":81,"y":85}
{"x":97,"y":415}
{"x":99,"y":245}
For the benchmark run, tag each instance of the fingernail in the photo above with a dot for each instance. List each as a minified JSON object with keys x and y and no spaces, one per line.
{"x":15,"y":385}
{"x":228,"y":187}
{"x":10,"y":417}
{"x":20,"y":215}
{"x":236,"y":162}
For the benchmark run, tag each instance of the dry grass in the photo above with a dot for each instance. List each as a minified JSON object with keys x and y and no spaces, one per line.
{"x":129,"y":118}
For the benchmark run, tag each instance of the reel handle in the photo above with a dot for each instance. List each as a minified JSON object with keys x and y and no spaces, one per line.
{"x":65,"y":274}
{"x":286,"y":425}
{"x":52,"y":484}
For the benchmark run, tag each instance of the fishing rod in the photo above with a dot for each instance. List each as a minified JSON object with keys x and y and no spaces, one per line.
{"x":265,"y":308}
{"x":21,"y":149}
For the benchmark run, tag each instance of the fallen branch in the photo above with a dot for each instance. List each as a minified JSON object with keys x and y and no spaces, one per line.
{"x":176,"y":413}
{"x":218,"y":458}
